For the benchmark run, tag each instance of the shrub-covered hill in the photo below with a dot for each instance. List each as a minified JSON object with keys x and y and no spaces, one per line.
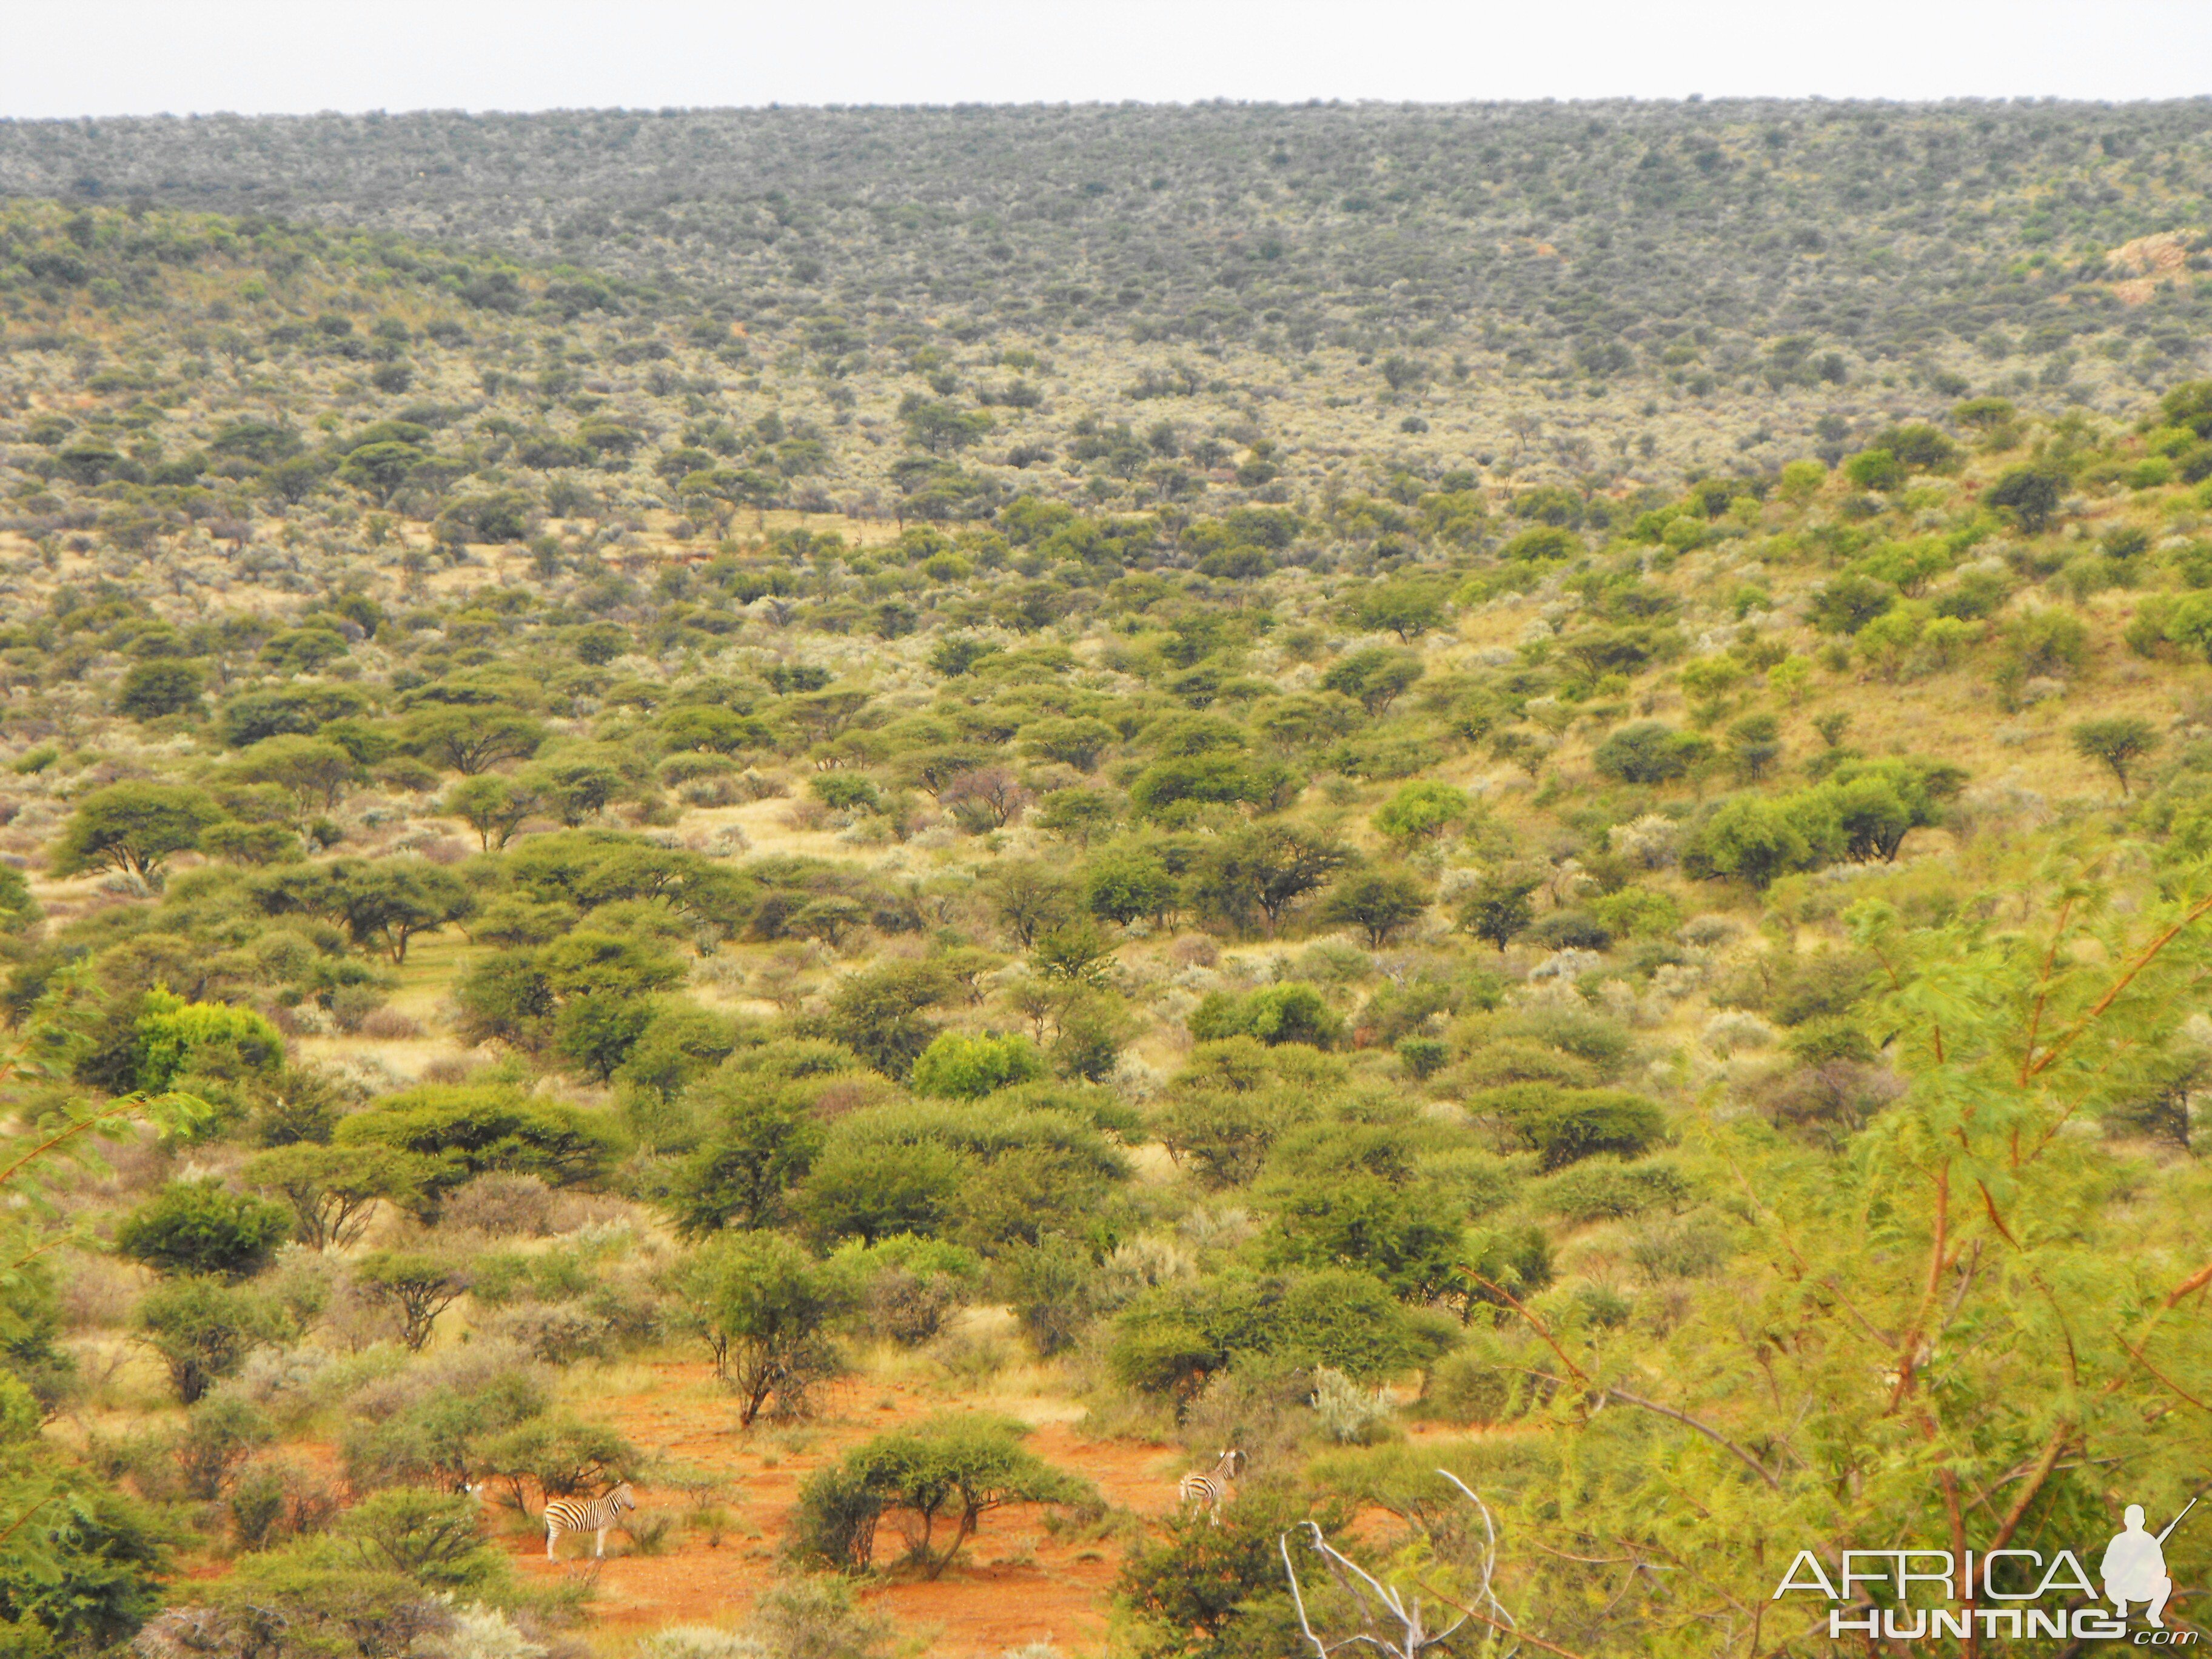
{"x":1590,"y":238}
{"x":1271,"y":298}
{"x":1684,"y":990}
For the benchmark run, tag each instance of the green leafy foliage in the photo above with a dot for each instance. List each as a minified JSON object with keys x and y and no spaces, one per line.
{"x":839,"y":777}
{"x":198,"y":1227}
{"x":967,"y":1068}
{"x":945,"y":1473}
{"x":472,"y":1130}
{"x":761,"y":1306}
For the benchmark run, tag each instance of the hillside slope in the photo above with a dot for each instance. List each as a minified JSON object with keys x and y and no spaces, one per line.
{"x":1677,"y":997}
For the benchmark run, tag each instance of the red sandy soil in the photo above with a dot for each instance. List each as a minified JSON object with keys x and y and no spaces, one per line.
{"x":1014,"y":1582}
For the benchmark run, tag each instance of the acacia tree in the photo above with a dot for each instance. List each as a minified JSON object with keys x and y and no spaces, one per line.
{"x":760,"y":1304}
{"x":198,"y":1227}
{"x":1379,"y":902}
{"x":316,"y":773}
{"x":1498,"y":909}
{"x":575,"y":788}
{"x":469,"y":739}
{"x":135,"y":828}
{"x":1375,"y":677}
{"x":950,"y":1470}
{"x":492,"y":806}
{"x":1267,"y":868}
{"x":382,"y":903}
{"x":417,"y":1285}
{"x":1404,"y":608}
{"x":2030,"y":494}
{"x":334,"y":1190}
{"x":2119,"y":742}
{"x":1027,"y":897}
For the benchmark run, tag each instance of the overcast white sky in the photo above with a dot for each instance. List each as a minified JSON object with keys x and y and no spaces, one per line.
{"x":66,"y":58}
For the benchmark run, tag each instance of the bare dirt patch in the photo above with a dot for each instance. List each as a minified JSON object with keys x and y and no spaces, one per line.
{"x":1019,"y":1580}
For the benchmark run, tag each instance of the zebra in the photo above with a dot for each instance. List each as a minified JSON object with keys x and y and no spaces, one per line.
{"x":595,"y":1515}
{"x":1214,"y":1488}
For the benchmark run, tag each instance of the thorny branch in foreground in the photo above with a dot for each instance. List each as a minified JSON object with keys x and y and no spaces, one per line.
{"x":1412,"y":1636}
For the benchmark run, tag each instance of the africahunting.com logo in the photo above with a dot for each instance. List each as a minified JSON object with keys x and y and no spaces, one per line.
{"x":1990,"y":1594}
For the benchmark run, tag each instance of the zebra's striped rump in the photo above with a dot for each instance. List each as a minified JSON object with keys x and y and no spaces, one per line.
{"x":1214,"y":1487}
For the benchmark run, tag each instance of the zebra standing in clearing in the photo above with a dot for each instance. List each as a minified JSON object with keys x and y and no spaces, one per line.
{"x":594,"y":1515}
{"x":1214,"y":1488}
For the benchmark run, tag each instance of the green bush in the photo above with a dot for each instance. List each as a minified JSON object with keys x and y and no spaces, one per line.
{"x":1124,"y":883}
{"x":1584,"y":1033}
{"x":1273,"y":1014}
{"x":1516,"y":1260}
{"x":557,"y":1457}
{"x":1052,"y":1286}
{"x":594,"y":1033}
{"x":1649,"y":752}
{"x":904,"y":1287}
{"x":679,"y":1043}
{"x":943,"y":1475}
{"x":967,"y":1068}
{"x":858,"y":1188}
{"x":84,"y":1574}
{"x":199,"y":1227}
{"x":474,"y":1129}
{"x":440,"y":1441}
{"x":762,"y":1307}
{"x":879,"y":1014}
{"x":1563,"y":1126}
{"x":758,"y":1144}
{"x":1546,"y":542}
{"x":2029,"y":495}
{"x":20,"y":911}
{"x":1875,"y":469}
{"x":1171,"y":1340}
{"x":973,"y":1169}
{"x":1203,"y":1590}
{"x":1472,"y":1181}
{"x":434,"y":1538}
{"x":298,"y":709}
{"x":1753,"y":839}
{"x":1605,"y":1191}
{"x":1637,"y":913}
{"x":202,"y":1330}
{"x":1571,"y":930}
{"x":816,"y":1618}
{"x":1470,"y":1386}
{"x":1423,"y":1056}
{"x":1368,"y":1224}
{"x":835,"y":1524}
{"x":165,"y":686}
{"x":1423,"y":810}
{"x":325,"y":1601}
{"x":845,"y":792}
{"x":1846,"y":603}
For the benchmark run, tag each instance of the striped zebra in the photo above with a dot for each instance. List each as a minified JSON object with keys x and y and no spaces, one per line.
{"x":594,"y":1515}
{"x":1215,"y":1488}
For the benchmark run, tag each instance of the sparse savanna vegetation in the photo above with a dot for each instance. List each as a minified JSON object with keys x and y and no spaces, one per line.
{"x":1518,"y":796}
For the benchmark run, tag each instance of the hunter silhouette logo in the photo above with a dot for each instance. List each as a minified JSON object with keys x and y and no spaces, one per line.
{"x":1910,"y":1595}
{"x":2133,"y":1567}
